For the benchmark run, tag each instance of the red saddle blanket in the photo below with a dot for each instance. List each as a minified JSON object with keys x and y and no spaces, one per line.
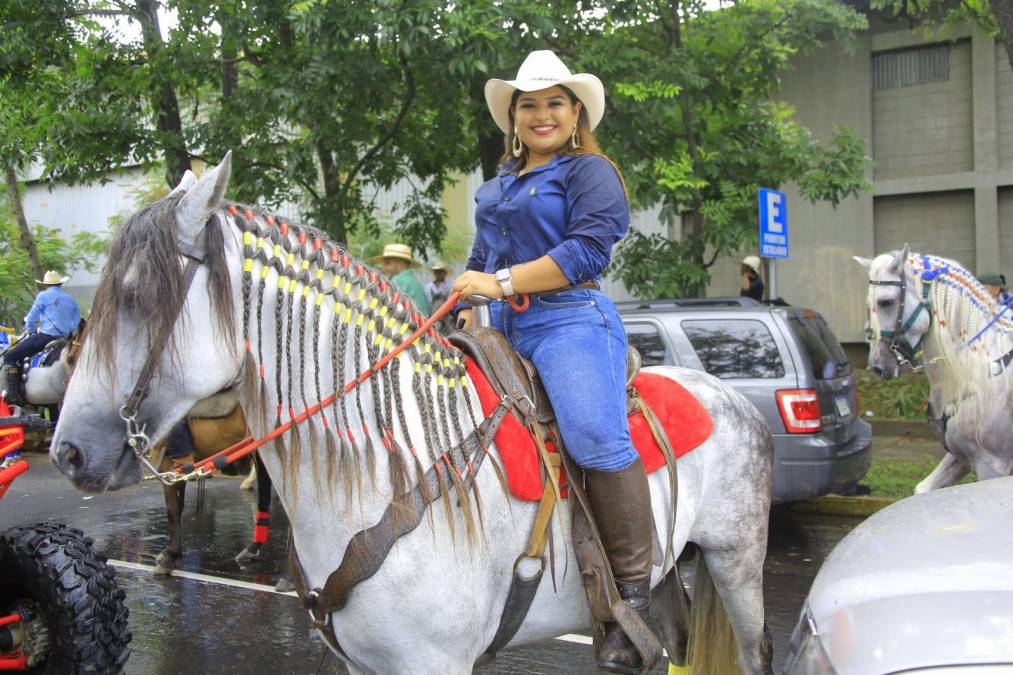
{"x":685,"y":421}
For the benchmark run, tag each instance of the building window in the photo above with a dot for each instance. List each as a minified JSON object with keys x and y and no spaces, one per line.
{"x":911,"y":66}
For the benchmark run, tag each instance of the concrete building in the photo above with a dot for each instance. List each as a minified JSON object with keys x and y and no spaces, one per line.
{"x":936,"y":114}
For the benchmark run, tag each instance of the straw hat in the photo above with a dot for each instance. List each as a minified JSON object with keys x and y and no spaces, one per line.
{"x":439,"y":265}
{"x":399,"y":251}
{"x":543,"y":69}
{"x":52,"y":278}
{"x":752,"y":262}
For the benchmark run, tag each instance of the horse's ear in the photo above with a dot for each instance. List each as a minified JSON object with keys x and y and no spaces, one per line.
{"x":185,"y":183}
{"x":901,"y":258}
{"x":864,"y":262}
{"x":202,"y":200}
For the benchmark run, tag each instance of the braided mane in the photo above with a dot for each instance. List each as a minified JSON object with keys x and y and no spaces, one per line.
{"x":970,"y":330}
{"x":368,"y":316}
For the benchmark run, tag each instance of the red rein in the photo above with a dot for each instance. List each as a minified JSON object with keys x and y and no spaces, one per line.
{"x":249,"y":444}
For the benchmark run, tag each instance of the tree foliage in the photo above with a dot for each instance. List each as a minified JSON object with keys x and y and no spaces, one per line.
{"x":695,"y":123}
{"x":327,"y":102}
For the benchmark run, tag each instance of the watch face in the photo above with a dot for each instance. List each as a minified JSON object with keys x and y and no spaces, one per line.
{"x":503,"y":274}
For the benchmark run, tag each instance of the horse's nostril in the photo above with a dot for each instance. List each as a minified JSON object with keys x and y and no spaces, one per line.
{"x":69,"y":456}
{"x":876,"y":370}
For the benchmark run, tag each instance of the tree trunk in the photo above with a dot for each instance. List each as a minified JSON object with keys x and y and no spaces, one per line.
{"x":1003,"y":11}
{"x":332,"y":211}
{"x":490,"y":149}
{"x":163,"y":96}
{"x":27,"y":240}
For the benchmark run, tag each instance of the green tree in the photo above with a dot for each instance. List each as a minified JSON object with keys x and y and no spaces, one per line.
{"x":695,"y":123}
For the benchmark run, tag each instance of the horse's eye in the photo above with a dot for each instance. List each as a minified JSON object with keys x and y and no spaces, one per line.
{"x":885,"y":304}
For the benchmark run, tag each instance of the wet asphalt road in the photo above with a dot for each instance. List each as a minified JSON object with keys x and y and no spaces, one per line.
{"x":190,"y":625}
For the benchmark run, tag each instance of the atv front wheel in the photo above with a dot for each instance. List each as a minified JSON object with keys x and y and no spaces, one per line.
{"x":72,"y":611}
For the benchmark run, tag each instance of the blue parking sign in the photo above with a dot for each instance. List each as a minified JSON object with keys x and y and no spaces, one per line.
{"x":773,"y":224}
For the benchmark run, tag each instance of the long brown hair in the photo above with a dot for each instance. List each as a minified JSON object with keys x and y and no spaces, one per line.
{"x":587,"y":141}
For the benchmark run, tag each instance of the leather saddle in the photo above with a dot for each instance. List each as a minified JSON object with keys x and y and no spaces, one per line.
{"x":45,"y":357}
{"x":514,"y":378}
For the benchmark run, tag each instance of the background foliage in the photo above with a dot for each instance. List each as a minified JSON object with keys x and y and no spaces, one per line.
{"x":328,"y":101}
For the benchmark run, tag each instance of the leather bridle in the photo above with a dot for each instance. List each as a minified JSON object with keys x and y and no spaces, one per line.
{"x":137,"y":439}
{"x":896,"y":338}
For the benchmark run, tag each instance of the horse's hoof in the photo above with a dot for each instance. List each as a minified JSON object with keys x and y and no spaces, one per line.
{"x":248,"y":483}
{"x":165,"y":564}
{"x":284,"y":586}
{"x":248,"y":554}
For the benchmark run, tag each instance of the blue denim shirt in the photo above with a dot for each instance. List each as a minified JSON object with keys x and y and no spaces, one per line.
{"x":53,"y":313}
{"x":574,"y":209}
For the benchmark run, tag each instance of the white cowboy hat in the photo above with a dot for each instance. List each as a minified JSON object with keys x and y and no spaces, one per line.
{"x":752,"y":262}
{"x":543,"y":69}
{"x":439,"y":265}
{"x":399,"y":251}
{"x":52,"y":278}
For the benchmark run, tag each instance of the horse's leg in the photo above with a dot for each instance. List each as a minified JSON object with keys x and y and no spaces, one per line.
{"x":175,"y":496}
{"x":950,"y":470}
{"x":737,"y":575}
{"x":262,"y":521}
{"x":983,"y":470}
{"x":251,"y":480}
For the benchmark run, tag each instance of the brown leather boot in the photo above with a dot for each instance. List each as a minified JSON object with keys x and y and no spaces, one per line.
{"x":621,"y":501}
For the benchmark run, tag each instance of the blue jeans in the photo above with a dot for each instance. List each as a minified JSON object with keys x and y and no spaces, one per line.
{"x":576,"y":341}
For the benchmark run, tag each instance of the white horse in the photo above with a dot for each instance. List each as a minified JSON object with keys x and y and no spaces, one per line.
{"x":310,"y":319}
{"x":45,"y":383}
{"x":932,"y":305}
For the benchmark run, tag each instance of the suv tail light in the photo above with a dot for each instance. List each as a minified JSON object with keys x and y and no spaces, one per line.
{"x":800,"y":410}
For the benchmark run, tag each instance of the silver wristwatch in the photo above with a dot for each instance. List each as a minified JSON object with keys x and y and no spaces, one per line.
{"x":505,"y":281}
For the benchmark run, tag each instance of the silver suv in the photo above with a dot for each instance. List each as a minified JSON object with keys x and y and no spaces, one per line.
{"x":787,"y":361}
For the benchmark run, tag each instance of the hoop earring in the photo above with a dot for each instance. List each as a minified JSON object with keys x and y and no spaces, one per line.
{"x":575,"y":138}
{"x":516,"y":148}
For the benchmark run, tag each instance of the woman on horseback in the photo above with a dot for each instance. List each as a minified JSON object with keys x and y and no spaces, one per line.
{"x":546,"y":227}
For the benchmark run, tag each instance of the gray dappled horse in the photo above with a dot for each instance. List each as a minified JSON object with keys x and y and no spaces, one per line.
{"x":285,"y":317}
{"x":923,"y":303}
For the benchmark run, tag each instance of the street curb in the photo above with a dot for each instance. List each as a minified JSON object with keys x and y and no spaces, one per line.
{"x":836,"y":505}
{"x":901,"y":428}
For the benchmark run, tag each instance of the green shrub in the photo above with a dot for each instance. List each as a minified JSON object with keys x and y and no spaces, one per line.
{"x":904,"y":398}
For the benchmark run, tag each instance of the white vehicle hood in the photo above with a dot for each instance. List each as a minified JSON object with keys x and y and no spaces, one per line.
{"x":927,"y":581}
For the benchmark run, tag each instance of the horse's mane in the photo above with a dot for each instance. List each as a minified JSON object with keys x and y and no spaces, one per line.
{"x":370,"y":315}
{"x":143,"y":277}
{"x":971,"y":330}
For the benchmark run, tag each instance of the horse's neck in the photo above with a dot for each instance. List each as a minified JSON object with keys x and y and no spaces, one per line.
{"x":338,"y":477}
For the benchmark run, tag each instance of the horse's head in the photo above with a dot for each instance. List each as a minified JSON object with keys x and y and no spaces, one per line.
{"x":148,"y":319}
{"x":897,"y":320}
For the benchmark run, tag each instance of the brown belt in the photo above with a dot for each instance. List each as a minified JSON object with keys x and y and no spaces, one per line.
{"x":588,"y":285}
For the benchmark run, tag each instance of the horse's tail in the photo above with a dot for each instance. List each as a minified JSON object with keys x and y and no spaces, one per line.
{"x":712,"y":649}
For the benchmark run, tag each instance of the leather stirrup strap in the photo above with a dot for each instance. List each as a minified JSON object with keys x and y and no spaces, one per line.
{"x":673,"y":477}
{"x":639,"y":633}
{"x":522,"y":589}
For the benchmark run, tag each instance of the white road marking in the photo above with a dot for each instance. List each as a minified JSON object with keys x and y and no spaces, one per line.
{"x":223,"y":581}
{"x":206,"y":578}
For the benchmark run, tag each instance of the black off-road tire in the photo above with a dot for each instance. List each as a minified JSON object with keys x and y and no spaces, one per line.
{"x":75,"y":592}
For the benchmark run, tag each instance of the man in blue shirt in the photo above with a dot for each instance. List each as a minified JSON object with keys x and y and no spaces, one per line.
{"x":54,"y":314}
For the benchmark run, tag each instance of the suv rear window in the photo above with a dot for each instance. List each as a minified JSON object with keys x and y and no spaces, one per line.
{"x":825,"y":353}
{"x":648,"y":341}
{"x":735,"y":348}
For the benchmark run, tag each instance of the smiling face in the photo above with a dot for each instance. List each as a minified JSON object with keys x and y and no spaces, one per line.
{"x":545,"y":121}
